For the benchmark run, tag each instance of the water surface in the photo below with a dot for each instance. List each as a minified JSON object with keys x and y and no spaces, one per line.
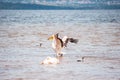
{"x":22,"y":31}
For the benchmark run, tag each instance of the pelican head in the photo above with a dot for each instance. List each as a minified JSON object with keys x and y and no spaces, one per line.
{"x":53,"y":37}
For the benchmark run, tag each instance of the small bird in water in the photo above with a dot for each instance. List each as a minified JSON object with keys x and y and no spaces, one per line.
{"x":40,"y":44}
{"x":58,"y":43}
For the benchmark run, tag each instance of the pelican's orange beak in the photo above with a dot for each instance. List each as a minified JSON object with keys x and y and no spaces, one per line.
{"x":50,"y":38}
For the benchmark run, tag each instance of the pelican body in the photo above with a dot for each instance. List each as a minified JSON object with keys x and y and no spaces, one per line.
{"x":58,"y":43}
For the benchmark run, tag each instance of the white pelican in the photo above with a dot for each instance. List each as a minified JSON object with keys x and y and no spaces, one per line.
{"x":58,"y":43}
{"x":50,"y":60}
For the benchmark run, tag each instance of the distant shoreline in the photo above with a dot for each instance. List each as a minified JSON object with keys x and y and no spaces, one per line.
{"x":59,"y":9}
{"x":21,"y":6}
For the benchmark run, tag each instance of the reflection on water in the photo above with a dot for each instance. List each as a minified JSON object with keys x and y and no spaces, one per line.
{"x":21,"y":53}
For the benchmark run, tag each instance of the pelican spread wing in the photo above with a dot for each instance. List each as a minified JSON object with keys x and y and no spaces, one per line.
{"x":67,"y":39}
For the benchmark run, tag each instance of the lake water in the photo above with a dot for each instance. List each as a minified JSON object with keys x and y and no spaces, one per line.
{"x":22,"y":31}
{"x":73,"y":17}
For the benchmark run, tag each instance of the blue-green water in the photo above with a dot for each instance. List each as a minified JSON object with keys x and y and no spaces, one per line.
{"x":12,"y":17}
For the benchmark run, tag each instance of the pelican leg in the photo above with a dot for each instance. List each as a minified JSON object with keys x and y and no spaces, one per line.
{"x":57,"y":53}
{"x":60,"y":54}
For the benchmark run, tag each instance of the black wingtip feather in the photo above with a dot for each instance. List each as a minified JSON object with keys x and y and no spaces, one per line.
{"x":73,"y":40}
